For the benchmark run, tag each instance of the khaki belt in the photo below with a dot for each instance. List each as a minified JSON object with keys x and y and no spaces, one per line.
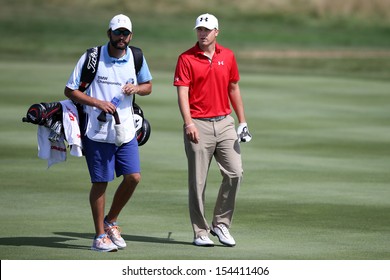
{"x":214,"y":119}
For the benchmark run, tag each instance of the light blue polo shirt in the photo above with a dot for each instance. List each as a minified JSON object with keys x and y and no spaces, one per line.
{"x":111,"y":76}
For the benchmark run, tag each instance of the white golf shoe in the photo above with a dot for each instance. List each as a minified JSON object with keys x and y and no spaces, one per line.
{"x":223,"y":234}
{"x":204,"y":241}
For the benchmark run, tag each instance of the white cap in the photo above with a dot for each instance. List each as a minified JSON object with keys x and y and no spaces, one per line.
{"x":120,"y":21}
{"x":206,"y":20}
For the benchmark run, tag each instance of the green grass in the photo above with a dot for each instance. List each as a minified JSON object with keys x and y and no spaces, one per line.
{"x":316,"y":173}
{"x":315,"y":182}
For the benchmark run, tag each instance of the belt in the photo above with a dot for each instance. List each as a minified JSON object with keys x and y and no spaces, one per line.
{"x":214,"y":119}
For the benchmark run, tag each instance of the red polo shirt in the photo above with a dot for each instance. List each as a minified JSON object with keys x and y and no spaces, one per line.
{"x":208,"y":81}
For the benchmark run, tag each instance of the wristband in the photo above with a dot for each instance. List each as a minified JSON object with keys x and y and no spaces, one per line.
{"x":187,"y":126}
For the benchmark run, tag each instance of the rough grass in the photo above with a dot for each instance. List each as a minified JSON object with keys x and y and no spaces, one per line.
{"x":359,"y":9}
{"x":164,"y":29}
{"x":263,"y":43}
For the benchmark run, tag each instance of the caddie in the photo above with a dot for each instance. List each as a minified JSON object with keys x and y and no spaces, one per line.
{"x":105,"y":155}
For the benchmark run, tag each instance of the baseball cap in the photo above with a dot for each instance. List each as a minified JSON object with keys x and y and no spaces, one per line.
{"x":120,"y":21}
{"x":206,"y":20}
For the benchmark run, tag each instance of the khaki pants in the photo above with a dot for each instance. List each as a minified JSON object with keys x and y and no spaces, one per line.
{"x":218,"y":140}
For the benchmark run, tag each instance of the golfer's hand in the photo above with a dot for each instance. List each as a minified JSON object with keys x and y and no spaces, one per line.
{"x":243,"y":133}
{"x":192,"y":133}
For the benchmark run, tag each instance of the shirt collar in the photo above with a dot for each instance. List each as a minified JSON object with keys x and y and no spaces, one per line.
{"x":115,"y":60}
{"x":199,"y":51}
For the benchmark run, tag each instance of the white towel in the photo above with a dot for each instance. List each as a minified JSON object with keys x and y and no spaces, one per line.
{"x":53,"y":152}
{"x":71,"y":127}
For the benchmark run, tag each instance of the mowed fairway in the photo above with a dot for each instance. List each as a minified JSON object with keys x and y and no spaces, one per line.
{"x":316,"y":179}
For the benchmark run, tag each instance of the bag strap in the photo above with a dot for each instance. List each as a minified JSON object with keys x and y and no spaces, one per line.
{"x":89,"y":69}
{"x":138,"y":61}
{"x":138,"y":58}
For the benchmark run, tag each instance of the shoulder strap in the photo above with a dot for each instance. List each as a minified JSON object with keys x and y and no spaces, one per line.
{"x":138,"y":61}
{"x":138,"y":58}
{"x":90,"y":66}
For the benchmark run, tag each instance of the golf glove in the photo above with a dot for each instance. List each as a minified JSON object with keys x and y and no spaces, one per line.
{"x":243,"y":133}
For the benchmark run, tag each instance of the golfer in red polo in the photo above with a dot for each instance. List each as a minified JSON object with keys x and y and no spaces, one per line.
{"x":207,"y":78}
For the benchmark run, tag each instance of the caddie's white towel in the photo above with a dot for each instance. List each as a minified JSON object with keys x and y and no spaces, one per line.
{"x":53,"y":152}
{"x":70,"y":117}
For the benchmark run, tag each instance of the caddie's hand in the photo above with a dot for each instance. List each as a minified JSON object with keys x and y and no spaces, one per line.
{"x":243,"y":133}
{"x":192,"y":132}
{"x":106,"y":106}
{"x":130,"y":89}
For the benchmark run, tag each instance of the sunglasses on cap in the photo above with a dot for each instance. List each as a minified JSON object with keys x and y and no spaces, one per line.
{"x":118,"y":32}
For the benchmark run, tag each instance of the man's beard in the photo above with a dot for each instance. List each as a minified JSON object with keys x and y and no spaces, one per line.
{"x":115,"y":44}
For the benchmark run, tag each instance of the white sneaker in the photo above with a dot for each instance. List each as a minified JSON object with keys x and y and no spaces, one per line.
{"x":222,"y":232}
{"x":204,"y":241}
{"x":103,"y":244}
{"x":114,"y":233}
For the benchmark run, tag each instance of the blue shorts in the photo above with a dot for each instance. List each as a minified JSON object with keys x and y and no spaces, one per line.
{"x":105,"y":158}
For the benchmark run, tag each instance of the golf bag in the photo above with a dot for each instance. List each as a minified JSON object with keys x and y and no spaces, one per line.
{"x":142,"y":126}
{"x":46,"y":114}
{"x":50,"y":114}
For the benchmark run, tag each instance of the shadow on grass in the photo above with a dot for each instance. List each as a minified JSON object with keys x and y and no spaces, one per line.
{"x":59,"y":242}
{"x":130,"y":238}
{"x":50,"y":242}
